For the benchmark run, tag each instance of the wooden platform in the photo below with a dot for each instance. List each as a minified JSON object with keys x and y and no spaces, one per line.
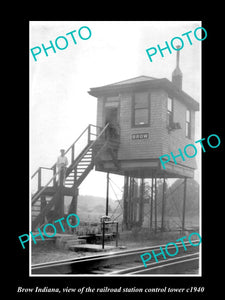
{"x":91,"y":248}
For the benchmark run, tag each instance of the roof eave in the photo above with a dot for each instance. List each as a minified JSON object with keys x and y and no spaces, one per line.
{"x":162,"y":83}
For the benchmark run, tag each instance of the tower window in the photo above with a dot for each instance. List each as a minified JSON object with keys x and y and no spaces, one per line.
{"x":141,"y":110}
{"x":169,"y":112}
{"x":188,"y":124}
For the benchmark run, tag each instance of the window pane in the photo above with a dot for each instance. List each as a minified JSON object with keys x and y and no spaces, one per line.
{"x":169,"y":119}
{"x":141,"y":100}
{"x":188,"y":130}
{"x":141,"y":116}
{"x":187,"y":115}
{"x":169,"y":104}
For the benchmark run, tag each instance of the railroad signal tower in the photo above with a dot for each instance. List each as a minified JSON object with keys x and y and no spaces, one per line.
{"x":149,"y":117}
{"x":138,"y":120}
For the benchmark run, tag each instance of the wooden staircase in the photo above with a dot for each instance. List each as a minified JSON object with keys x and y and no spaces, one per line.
{"x":46,"y":197}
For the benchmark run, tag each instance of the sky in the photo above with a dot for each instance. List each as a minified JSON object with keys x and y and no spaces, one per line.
{"x":60,"y":106}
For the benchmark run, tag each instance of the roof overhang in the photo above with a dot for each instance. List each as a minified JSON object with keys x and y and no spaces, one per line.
{"x":162,"y":83}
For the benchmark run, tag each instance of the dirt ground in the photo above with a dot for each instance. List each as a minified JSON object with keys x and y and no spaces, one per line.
{"x":48,"y":252}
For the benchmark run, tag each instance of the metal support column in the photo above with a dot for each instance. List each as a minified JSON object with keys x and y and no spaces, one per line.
{"x":163,"y":204}
{"x":151,"y":205}
{"x":125,"y":201}
{"x":107,"y":195}
{"x":131,"y":202}
{"x":155,"y":204}
{"x":141,"y":203}
{"x":184,"y":204}
{"x":103,"y":234}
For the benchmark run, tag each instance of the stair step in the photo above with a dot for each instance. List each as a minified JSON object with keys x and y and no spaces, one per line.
{"x":36,"y":208}
{"x":85,"y":161}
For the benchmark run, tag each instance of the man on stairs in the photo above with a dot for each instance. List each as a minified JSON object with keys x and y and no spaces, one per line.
{"x":62,"y":163}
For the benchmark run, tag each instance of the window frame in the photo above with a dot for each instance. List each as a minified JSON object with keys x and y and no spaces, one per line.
{"x":133,"y":125}
{"x":188,"y":124}
{"x":169,"y":114}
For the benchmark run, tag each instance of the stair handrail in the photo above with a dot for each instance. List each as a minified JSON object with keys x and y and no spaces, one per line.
{"x":86,"y":129}
{"x":95,"y":141}
{"x":35,"y":198}
{"x":89,"y":131}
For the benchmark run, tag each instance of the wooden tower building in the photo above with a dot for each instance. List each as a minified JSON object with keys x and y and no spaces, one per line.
{"x":138,"y":120}
{"x":149,"y":117}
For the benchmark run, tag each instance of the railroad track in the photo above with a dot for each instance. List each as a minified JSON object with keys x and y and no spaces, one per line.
{"x":125,"y":263}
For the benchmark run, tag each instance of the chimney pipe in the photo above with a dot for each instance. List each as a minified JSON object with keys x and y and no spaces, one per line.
{"x":178,"y":56}
{"x":177,"y":74}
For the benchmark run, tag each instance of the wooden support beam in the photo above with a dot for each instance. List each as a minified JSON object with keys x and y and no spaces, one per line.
{"x":73,"y":204}
{"x":43,"y":205}
{"x":59,"y":208}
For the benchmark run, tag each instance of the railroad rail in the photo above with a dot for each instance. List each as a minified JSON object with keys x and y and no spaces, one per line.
{"x":127,"y":262}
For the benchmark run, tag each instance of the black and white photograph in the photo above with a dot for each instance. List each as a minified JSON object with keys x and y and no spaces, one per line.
{"x":115,"y":157}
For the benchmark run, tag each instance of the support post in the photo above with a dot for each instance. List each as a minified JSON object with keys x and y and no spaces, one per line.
{"x":135,"y":202}
{"x":54,"y":174}
{"x":43,"y":205}
{"x":61,"y":194}
{"x":163,"y":204}
{"x":103,"y":234}
{"x":107,"y":195}
{"x":89,"y":134}
{"x":73,"y":204}
{"x":155,"y":205}
{"x":72,"y":153}
{"x":184,"y":204}
{"x":141,"y":203}
{"x":151,"y":205}
{"x":117,"y":233}
{"x":39,"y":179}
{"x":125,"y":201}
{"x":131,"y":202}
{"x":59,"y":206}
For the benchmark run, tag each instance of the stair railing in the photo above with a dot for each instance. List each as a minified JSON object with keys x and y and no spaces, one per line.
{"x":36,"y":196}
{"x":89,"y":131}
